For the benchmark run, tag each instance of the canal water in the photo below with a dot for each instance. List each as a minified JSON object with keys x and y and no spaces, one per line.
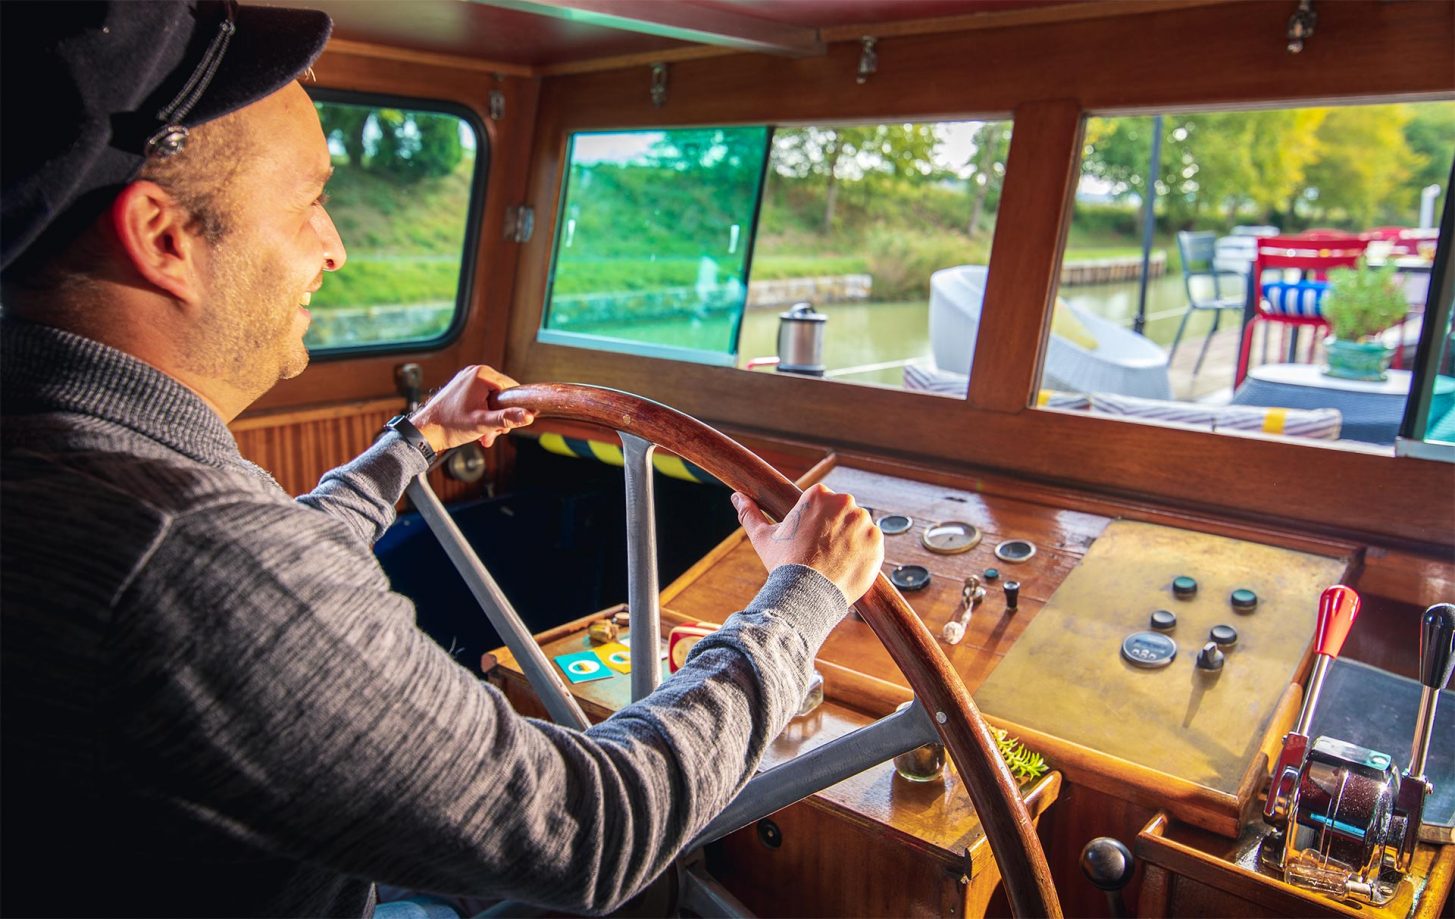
{"x":862,"y":338}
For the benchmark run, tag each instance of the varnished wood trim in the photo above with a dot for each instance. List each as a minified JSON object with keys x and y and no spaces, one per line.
{"x":1000,"y":19}
{"x":1196,"y":804}
{"x":432,"y":58}
{"x":1025,"y":272}
{"x":276,"y":418}
{"x":1273,"y":897}
{"x":644,"y":59}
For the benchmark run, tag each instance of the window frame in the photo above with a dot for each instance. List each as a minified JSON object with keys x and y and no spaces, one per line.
{"x":474,"y":211}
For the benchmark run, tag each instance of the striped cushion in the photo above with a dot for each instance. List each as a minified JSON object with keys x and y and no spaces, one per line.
{"x":1295,"y":298}
{"x":1320,"y":423}
{"x":932,"y":379}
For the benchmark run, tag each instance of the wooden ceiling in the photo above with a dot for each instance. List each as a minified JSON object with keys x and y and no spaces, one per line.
{"x":539,"y":35}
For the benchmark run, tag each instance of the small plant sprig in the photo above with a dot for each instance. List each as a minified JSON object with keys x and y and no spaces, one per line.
{"x":1024,"y":764}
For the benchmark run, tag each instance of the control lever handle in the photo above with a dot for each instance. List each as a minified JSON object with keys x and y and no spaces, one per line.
{"x":1437,"y":659}
{"x":1437,"y":645}
{"x":1338,"y":608}
{"x":1108,"y":864}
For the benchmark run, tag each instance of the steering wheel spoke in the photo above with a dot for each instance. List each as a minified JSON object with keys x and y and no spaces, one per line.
{"x":942,"y":701}
{"x":809,"y":773}
{"x":642,"y":597}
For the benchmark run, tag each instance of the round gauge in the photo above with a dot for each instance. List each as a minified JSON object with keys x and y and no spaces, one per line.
{"x":951,"y":537}
{"x":910,"y":577}
{"x":466,"y":463}
{"x":894,"y":524}
{"x":1015,"y":550}
{"x":1149,"y":650}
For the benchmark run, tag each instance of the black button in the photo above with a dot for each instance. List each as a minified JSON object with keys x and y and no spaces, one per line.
{"x":910,"y":577}
{"x":1164,"y":620}
{"x":1184,"y":588}
{"x":1244,"y":600}
{"x":894,"y":524}
{"x":1225,"y":635}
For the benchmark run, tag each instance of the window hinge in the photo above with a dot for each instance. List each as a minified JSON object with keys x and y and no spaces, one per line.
{"x":520,"y":222}
{"x":659,"y":84}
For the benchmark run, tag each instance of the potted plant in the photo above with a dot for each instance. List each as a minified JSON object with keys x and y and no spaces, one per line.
{"x":1361,"y":303}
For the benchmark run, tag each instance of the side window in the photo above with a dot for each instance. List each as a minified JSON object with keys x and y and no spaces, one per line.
{"x":405,"y":196}
{"x":1261,"y":271}
{"x":653,"y":240}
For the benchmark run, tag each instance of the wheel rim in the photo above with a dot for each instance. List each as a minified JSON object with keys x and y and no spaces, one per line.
{"x":994,"y":792}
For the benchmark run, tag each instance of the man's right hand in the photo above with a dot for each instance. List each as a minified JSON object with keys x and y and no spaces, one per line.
{"x":825,"y":531}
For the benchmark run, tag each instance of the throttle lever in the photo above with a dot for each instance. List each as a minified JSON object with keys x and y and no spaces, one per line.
{"x":1437,"y":659}
{"x":1338,"y":608}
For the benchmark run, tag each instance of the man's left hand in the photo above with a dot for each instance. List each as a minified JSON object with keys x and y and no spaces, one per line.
{"x":460,"y":412}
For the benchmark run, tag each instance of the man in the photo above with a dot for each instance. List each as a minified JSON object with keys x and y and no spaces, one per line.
{"x":212,"y":702}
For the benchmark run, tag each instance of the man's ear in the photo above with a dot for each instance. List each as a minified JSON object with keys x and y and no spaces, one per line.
{"x":153,"y":229}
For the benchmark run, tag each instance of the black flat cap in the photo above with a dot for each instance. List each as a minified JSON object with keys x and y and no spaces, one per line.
{"x":90,"y":89}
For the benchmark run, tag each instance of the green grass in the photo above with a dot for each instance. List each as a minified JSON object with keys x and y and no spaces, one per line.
{"x":376,"y":214}
{"x":775,"y":267}
{"x":372,"y":282}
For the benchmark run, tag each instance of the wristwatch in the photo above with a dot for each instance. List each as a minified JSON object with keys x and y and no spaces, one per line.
{"x":401,"y":425}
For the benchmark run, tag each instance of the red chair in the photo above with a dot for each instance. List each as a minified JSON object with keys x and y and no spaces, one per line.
{"x":1297,"y":304}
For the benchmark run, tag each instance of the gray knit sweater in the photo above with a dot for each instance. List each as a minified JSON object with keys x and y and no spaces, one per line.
{"x":213,"y":704}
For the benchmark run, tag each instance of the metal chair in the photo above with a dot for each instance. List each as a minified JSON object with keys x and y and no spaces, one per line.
{"x":1199,"y":254}
{"x":1296,"y":304}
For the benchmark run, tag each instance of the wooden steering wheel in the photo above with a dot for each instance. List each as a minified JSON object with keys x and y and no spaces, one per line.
{"x":995,"y":794}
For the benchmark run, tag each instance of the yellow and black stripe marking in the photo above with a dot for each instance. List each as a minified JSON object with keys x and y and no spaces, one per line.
{"x":609,"y":453}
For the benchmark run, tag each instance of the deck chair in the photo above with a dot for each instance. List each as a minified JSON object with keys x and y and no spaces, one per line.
{"x":1208,"y":288}
{"x":1295,"y":304}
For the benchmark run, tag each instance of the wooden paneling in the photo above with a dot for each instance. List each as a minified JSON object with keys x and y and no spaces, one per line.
{"x":298,"y":447}
{"x":1226,"y":54}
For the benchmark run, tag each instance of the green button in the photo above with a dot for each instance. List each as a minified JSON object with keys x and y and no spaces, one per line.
{"x":1184,"y":587}
{"x":1244,"y":600}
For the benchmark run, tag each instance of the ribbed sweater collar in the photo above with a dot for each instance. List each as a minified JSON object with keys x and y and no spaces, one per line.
{"x":43,"y":369}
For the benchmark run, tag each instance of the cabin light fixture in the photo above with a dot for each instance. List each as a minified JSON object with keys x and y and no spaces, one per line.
{"x":1301,"y":25}
{"x":659,"y":84}
{"x":868,"y":60}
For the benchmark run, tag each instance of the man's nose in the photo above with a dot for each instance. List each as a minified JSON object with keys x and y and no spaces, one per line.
{"x":334,"y":254}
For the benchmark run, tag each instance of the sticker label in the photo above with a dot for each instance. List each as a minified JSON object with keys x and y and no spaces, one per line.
{"x":582,"y":667}
{"x":615,"y":655}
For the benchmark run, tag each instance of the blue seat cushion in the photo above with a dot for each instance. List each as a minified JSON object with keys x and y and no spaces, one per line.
{"x":1295,"y":298}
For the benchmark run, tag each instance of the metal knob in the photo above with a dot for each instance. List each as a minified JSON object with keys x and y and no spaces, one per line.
{"x":1108,"y":864}
{"x":1437,"y":645}
{"x":1012,"y":594}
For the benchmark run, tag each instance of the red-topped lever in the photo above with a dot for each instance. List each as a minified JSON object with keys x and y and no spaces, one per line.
{"x":1338,"y":608}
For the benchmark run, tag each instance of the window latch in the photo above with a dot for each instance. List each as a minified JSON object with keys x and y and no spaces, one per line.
{"x":520,"y":222}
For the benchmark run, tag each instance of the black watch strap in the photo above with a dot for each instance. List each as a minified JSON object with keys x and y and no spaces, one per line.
{"x":401,"y":425}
